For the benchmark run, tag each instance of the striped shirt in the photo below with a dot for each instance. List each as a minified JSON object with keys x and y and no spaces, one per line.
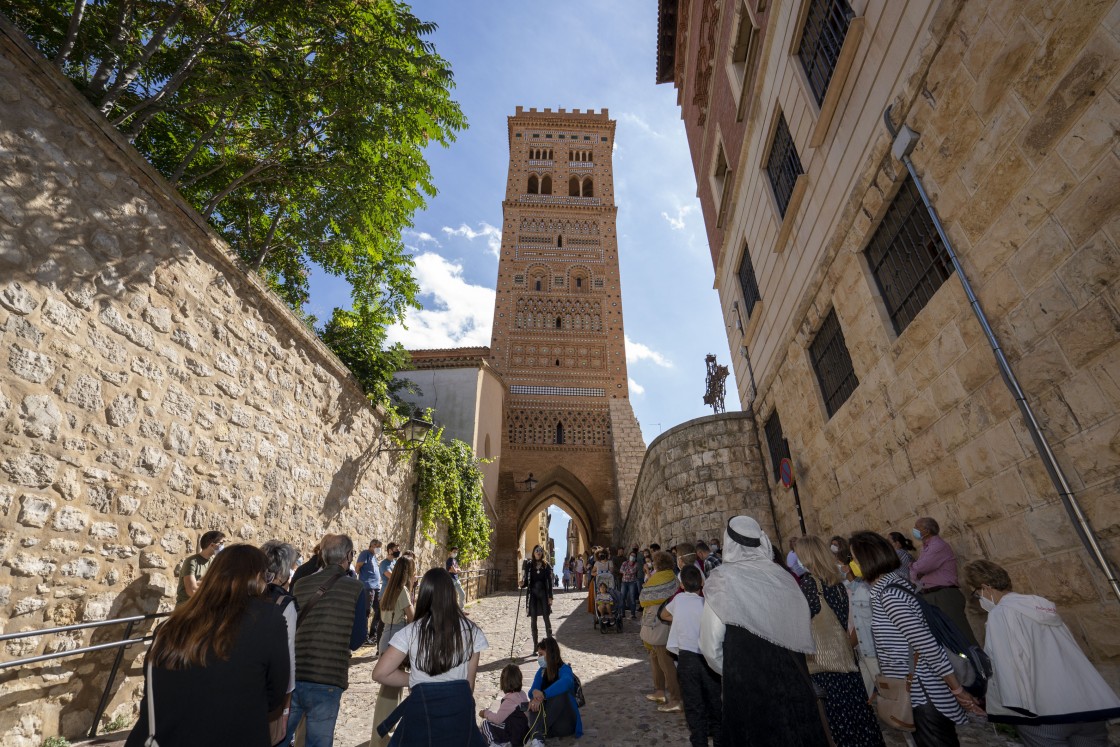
{"x":900,"y":628}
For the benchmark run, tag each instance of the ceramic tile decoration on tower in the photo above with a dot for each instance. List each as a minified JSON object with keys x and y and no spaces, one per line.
{"x":558,"y":339}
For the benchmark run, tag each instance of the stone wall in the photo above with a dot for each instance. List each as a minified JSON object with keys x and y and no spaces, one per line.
{"x":1016,"y":105}
{"x":694,"y":478}
{"x":150,"y":390}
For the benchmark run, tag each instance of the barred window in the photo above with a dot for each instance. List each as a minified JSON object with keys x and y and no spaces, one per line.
{"x":748,"y":282}
{"x":826,"y":25}
{"x":776,"y":443}
{"x":560,"y":391}
{"x":907,"y":258}
{"x":783,"y":165}
{"x":833,"y":364}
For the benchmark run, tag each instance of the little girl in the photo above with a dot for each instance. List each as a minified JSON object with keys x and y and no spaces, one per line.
{"x":508,"y":725}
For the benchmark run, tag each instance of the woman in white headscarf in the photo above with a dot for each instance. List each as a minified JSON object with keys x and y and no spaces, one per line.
{"x":755,"y":632}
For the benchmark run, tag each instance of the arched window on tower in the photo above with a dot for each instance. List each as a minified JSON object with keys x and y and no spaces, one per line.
{"x":559,"y":433}
{"x":573,"y":187}
{"x":533,"y":184}
{"x":559,"y":241}
{"x":546,"y":185}
{"x":537,"y":284}
{"x":559,"y":323}
{"x":588,"y":190}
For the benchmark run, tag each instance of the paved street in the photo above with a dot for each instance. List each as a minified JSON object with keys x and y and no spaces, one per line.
{"x":613,"y":668}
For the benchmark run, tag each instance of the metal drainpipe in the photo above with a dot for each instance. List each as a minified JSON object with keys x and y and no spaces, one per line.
{"x":905,"y":141}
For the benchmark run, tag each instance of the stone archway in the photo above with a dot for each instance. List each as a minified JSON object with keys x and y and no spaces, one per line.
{"x":558,"y":486}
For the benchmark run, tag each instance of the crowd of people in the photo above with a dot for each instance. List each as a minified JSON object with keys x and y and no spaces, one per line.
{"x":821,"y":647}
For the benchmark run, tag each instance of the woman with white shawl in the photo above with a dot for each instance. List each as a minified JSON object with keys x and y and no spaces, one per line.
{"x":755,"y":633}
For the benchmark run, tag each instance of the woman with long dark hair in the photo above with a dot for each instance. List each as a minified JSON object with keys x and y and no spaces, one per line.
{"x":538,"y":602}
{"x":443,"y":647}
{"x":220,"y":663}
{"x":553,"y":710}
{"x":396,"y":612}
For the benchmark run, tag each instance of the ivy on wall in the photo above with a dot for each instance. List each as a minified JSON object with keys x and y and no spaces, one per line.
{"x":450,"y":484}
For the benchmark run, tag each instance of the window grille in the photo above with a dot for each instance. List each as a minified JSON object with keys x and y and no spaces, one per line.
{"x":833,"y":364}
{"x":783,"y":166}
{"x":558,"y":391}
{"x":776,"y":443}
{"x":907,"y":257}
{"x":748,"y":282}
{"x":826,"y":25}
{"x":598,"y":282}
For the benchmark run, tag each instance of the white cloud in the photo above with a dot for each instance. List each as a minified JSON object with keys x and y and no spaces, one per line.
{"x":424,"y":237}
{"x":677,"y":223}
{"x":635,"y":387}
{"x":492,"y":234}
{"x":636,"y":351}
{"x":458,"y":315}
{"x":640,"y":123}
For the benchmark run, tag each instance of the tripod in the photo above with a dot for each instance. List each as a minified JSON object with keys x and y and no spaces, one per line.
{"x":524,"y":576}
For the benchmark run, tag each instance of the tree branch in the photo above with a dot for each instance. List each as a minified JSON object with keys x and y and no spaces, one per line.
{"x":129,"y":74}
{"x":71,"y":34}
{"x":263,"y":253}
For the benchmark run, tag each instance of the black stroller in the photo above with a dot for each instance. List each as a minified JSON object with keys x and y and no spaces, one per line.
{"x":612,"y":620}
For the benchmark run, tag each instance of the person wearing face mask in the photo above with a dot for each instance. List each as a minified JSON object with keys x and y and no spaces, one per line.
{"x":706,"y":559}
{"x":537,"y":580}
{"x":369,"y":573}
{"x":452,"y":566}
{"x":714,"y":544}
{"x":935,"y":573}
{"x":629,"y":570}
{"x":1041,"y":681}
{"x":553,"y":710}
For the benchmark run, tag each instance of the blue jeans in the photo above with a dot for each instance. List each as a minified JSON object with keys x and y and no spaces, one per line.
{"x":319,"y":703}
{"x":630,"y":597}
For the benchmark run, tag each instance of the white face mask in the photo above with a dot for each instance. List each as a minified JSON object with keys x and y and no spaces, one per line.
{"x":715,"y":547}
{"x":542,"y":662}
{"x":835,"y":549}
{"x":986,"y":604}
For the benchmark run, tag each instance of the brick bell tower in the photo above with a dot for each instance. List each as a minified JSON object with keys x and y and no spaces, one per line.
{"x":558,"y":337}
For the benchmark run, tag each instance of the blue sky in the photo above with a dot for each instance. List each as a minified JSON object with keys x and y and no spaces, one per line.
{"x":577,"y":55}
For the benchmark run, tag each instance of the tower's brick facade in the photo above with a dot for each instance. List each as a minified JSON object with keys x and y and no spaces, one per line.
{"x":558,"y":337}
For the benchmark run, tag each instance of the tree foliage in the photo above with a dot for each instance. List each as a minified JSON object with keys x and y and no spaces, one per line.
{"x":296,"y":128}
{"x":451,"y":495}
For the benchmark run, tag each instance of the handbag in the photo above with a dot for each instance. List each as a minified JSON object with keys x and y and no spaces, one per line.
{"x":654,"y":632}
{"x":891,"y":699}
{"x":578,"y":691}
{"x":834,"y":652}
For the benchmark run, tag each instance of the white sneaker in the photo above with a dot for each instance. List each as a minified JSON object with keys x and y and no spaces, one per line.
{"x":536,"y":743}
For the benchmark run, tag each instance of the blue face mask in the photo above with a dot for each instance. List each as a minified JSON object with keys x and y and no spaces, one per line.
{"x":542,"y":662}
{"x":917,"y":534}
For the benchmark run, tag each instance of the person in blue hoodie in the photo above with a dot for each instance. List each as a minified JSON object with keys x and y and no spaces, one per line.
{"x":553,"y":711}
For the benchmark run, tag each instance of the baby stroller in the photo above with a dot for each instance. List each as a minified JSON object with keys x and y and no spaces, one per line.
{"x":612,"y":619}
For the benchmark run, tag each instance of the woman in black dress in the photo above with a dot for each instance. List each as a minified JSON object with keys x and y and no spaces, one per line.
{"x":538,"y":581}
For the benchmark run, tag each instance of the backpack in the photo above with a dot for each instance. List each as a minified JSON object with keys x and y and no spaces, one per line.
{"x":971,"y":665}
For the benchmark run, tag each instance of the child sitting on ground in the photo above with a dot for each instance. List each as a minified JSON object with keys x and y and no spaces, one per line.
{"x":508,"y":725}
{"x":700,"y":686}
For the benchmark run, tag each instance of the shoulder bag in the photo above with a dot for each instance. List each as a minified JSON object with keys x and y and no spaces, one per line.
{"x":151,"y":740}
{"x":654,"y":631}
{"x":891,"y":699}
{"x":834,"y":652}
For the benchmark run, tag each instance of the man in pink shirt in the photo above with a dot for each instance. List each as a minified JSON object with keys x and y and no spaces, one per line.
{"x":935,"y":573}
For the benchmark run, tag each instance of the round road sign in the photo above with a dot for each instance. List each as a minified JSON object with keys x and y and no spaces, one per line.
{"x":785,"y":469}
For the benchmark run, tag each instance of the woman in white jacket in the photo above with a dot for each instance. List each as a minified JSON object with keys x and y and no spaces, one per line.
{"x":1041,"y":681}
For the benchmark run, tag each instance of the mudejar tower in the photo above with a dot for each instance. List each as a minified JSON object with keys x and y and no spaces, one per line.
{"x":558,"y":337}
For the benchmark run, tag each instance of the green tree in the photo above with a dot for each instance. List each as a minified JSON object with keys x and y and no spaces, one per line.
{"x":451,"y":495}
{"x":296,"y":128}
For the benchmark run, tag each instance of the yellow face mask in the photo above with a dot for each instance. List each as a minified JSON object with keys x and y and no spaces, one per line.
{"x":855,"y":568}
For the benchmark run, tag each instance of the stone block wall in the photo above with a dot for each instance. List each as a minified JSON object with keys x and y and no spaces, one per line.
{"x":628,"y":448}
{"x":1017,"y":106}
{"x":694,"y":478}
{"x":150,"y":390}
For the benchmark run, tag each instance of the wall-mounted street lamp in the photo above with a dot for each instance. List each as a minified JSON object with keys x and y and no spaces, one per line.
{"x":412,"y":433}
{"x":528,"y":485}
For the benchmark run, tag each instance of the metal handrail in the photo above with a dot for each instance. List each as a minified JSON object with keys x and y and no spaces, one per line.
{"x":120,"y":645}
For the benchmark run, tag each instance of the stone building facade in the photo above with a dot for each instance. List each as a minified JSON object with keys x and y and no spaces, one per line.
{"x":558,"y":339}
{"x":150,"y":390}
{"x":855,"y":345}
